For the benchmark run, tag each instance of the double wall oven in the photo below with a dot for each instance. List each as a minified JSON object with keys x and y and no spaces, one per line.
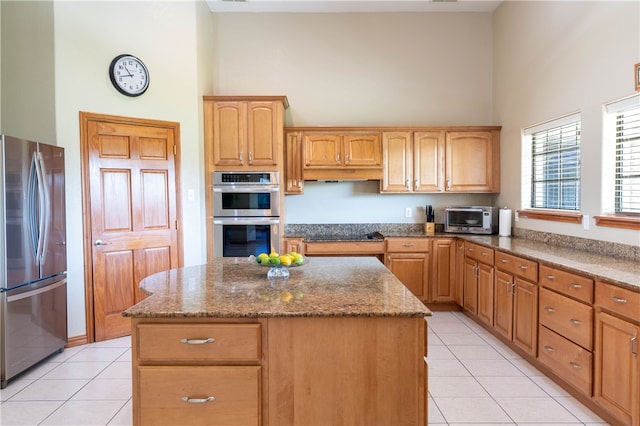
{"x":246,"y":213}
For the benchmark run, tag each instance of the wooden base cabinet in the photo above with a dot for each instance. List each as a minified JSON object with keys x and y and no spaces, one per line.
{"x":478,"y":282}
{"x":409,"y":259}
{"x":284,"y":371}
{"x":442,"y":288}
{"x":617,"y":361}
{"x":516,"y":301}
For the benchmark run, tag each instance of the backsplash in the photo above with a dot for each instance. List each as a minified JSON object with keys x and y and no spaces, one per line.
{"x":332,"y":230}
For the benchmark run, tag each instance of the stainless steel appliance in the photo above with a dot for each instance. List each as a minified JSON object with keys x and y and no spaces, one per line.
{"x":471,"y":219}
{"x":237,"y":194}
{"x":33,"y":256}
{"x":246,"y":213}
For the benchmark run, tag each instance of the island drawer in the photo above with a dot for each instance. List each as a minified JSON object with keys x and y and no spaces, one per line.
{"x":620,"y":300}
{"x":570,"y":318}
{"x":478,"y":252}
{"x":568,"y":360}
{"x":518,"y":266}
{"x":199,"y":395}
{"x":569,"y":284}
{"x":411,"y":245}
{"x":198,"y":342}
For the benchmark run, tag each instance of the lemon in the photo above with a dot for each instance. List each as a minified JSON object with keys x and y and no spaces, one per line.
{"x":273,"y":254}
{"x":286,"y":296}
{"x":286,"y":260}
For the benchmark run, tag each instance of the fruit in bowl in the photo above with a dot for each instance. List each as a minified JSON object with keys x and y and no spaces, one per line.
{"x":275,"y":259}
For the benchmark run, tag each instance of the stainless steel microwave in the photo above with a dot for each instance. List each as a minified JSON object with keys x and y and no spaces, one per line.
{"x":471,"y":219}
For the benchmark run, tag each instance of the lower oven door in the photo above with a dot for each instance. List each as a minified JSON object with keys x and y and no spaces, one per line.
{"x":244,"y":236}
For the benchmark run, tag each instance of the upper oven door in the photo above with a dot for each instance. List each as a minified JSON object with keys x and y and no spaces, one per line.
{"x":233,"y":201}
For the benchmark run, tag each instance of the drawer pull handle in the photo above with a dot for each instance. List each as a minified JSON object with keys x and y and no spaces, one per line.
{"x":575,"y":365}
{"x":523,"y":267}
{"x":484,"y":253}
{"x":503,"y":260}
{"x":197,"y":341}
{"x":198,"y":400}
{"x":634,"y":349}
{"x":575,"y":321}
{"x":550,"y":277}
{"x":574,"y":285}
{"x":618,"y":300}
{"x":549,"y":348}
{"x":549,"y":309}
{"x":408,"y":245}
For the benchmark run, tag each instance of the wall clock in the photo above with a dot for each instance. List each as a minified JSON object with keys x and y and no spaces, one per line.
{"x":129,"y":75}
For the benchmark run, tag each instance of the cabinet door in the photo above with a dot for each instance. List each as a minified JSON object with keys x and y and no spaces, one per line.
{"x":442,"y":286}
{"x":428,"y":158}
{"x":412,"y":269}
{"x":459,"y":279}
{"x":470,"y":297}
{"x":525,"y":316}
{"x":485,"y":293}
{"x":264,"y":127}
{"x":397,"y":162}
{"x":364,"y":150}
{"x":617,"y":368}
{"x":294,"y":179}
{"x":503,"y":307}
{"x":472,"y":162}
{"x":229,"y":133}
{"x":293,"y":245}
{"x":322,"y":150}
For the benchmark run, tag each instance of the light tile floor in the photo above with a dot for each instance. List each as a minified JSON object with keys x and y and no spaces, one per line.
{"x":473,"y":379}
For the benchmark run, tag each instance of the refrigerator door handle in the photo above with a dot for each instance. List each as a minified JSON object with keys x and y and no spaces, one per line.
{"x":34,"y":216}
{"x":45,"y":209}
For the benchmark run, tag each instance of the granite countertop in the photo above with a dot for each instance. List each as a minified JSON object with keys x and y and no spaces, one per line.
{"x":622,"y":272}
{"x":235,"y":288}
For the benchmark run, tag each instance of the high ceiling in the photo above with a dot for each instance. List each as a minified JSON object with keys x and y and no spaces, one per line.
{"x":333,"y":6}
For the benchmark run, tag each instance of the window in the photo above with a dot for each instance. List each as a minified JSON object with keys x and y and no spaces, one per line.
{"x":627,"y":158}
{"x":554,"y":163}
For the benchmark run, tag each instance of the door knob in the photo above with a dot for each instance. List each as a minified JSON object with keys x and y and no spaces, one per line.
{"x":99,"y":243}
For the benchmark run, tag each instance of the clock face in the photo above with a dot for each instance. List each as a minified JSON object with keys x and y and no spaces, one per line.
{"x":129,"y":75}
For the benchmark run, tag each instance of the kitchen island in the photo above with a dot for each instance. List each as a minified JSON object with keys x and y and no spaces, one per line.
{"x":341,"y":342}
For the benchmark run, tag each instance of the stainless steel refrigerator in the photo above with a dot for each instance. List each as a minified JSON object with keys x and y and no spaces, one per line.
{"x":33,"y":255}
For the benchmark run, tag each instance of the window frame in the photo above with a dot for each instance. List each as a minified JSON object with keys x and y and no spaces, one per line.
{"x":543,"y":213}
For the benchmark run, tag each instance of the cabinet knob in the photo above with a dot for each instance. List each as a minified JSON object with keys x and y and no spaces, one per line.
{"x":549,"y":309}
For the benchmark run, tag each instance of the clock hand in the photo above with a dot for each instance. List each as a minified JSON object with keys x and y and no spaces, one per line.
{"x":128,"y":72}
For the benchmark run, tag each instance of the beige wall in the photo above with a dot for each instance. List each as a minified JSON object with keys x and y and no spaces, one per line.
{"x":555,"y":58}
{"x":168,"y":37}
{"x":362,"y":69}
{"x":28,"y":99}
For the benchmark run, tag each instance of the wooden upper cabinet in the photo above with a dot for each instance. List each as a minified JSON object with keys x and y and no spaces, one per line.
{"x":472,"y":161}
{"x":245,"y":133}
{"x":322,"y":150}
{"x":428,"y":151}
{"x":342,"y":150}
{"x":397,"y":154}
{"x":294,"y":175}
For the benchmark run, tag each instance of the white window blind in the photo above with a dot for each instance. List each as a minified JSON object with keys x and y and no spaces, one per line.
{"x":627,"y":156}
{"x":555,"y":164}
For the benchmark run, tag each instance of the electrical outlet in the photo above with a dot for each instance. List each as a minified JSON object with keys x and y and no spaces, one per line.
{"x":585,"y":222}
{"x":407,"y":212}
